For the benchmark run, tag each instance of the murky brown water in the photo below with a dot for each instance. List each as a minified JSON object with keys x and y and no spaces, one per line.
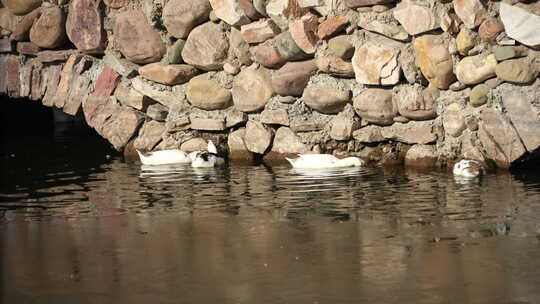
{"x":76,"y":227}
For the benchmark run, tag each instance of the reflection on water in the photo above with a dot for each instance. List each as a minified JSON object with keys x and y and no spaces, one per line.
{"x":79,"y":227}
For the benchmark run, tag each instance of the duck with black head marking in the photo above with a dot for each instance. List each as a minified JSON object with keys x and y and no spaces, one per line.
{"x":206,"y":159}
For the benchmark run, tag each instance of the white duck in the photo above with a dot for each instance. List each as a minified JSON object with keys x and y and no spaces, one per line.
{"x":207,"y":159}
{"x":320,"y":161}
{"x":164,"y":157}
{"x":467,"y":168}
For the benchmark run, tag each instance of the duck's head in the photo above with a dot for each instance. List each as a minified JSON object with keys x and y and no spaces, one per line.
{"x":467,"y":168}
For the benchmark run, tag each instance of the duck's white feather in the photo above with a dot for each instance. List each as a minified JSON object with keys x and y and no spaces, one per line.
{"x":211,"y":147}
{"x":164,"y":157}
{"x":206,"y":159}
{"x":319,"y":161}
{"x":467,"y":168}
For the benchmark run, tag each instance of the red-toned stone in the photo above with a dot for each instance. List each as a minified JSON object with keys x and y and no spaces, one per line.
{"x":116,"y":3}
{"x":52,"y":76}
{"x":267,"y":56}
{"x":249,"y":9}
{"x":122,"y":126}
{"x":259,"y":31}
{"x":25,"y":79}
{"x":52,"y":56}
{"x":22,"y":30}
{"x":490,"y":29}
{"x":27,"y":48}
{"x":35,"y":90}
{"x":65,"y":78}
{"x":84,"y":26}
{"x":79,"y":92}
{"x":21,"y":7}
{"x":6,"y":45}
{"x":304,"y":33}
{"x":293,"y":77}
{"x":49,"y":30}
{"x":13,"y":81}
{"x":104,"y":87}
{"x":332,"y":26}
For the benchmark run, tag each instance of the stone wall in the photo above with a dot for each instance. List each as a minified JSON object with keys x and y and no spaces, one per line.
{"x":422,"y":81}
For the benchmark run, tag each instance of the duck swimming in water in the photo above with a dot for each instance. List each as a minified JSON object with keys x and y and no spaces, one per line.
{"x":321,"y":161}
{"x":164,"y":157}
{"x":206,"y":159}
{"x":467,"y":168}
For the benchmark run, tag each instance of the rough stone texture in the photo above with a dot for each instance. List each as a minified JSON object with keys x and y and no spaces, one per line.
{"x":230,"y":12}
{"x":78,"y":94}
{"x":27,"y":48}
{"x":361,"y":3}
{"x":258,"y":138}
{"x":475,"y":69}
{"x":516,"y":71}
{"x":376,"y":106}
{"x":251,"y":90}
{"x":157,"y":112}
{"x":344,"y":124}
{"x":259,"y":31}
{"x":6,"y":45}
{"x":341,"y":47}
{"x":304,"y":33}
{"x":98,"y":100}
{"x":8,"y":22}
{"x":369,"y":134}
{"x":376,"y":64}
{"x":239,"y":48}
{"x":129,"y":97}
{"x":275,"y":117}
{"x":292,"y":78}
{"x":21,"y":7}
{"x":84,"y":26}
{"x":149,"y":135}
{"x":413,"y":132}
{"x":282,"y":10}
{"x":237,"y":146}
{"x":335,"y":66}
{"x":519,"y":108}
{"x":386,"y":29}
{"x":287,"y":48}
{"x":478,"y":95}
{"x":434,"y":60}
{"x":287,"y":142}
{"x":471,"y":12}
{"x":249,"y":9}
{"x":415,"y":17}
{"x":490,"y":29}
{"x":520,"y":24}
{"x":421,"y":156}
{"x":268,"y":56}
{"x":332,"y":26}
{"x":48,"y":31}
{"x":169,"y":74}
{"x":206,"y":47}
{"x":499,"y":139}
{"x":194,"y":144}
{"x":50,"y":82}
{"x":122,"y":126}
{"x":412,"y":104}
{"x":453,"y":120}
{"x":326,"y":100}
{"x":22,"y":30}
{"x":116,"y":3}
{"x":208,"y":95}
{"x":465,"y":41}
{"x":180,"y":17}
{"x":174,"y":53}
{"x":137,"y":40}
{"x":207,"y":124}
{"x":123,"y":67}
{"x":165,"y":97}
{"x":235,"y":118}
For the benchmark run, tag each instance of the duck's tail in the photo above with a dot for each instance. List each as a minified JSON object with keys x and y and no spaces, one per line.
{"x":290,"y":160}
{"x":211,"y":147}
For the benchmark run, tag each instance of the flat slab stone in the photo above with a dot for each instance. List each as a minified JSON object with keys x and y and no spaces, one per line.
{"x":207,"y":124}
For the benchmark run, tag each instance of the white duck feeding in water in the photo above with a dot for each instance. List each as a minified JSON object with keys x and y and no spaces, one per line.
{"x":164,"y":157}
{"x":206,"y":159}
{"x":321,"y":161}
{"x":467,"y":168}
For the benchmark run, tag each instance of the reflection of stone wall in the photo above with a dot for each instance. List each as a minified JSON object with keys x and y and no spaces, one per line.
{"x":285,"y":76}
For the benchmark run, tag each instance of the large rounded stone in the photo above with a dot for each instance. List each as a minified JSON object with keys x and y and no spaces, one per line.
{"x":478,"y":95}
{"x":206,"y":47}
{"x":421,"y":156}
{"x":414,"y":104}
{"x":293,"y":77}
{"x":237,"y":145}
{"x":287,"y":142}
{"x":490,"y":29}
{"x":137,"y":40}
{"x":169,"y":74}
{"x":326,"y":100}
{"x":49,"y":30}
{"x":257,"y":137}
{"x":376,"y":106}
{"x":475,"y":69}
{"x":8,"y":22}
{"x":181,"y":16}
{"x":516,"y":71}
{"x":84,"y":26}
{"x":207,"y":94}
{"x":21,"y":7}
{"x":434,"y":60}
{"x":22,"y":30}
{"x":251,"y":90}
{"x":453,"y":120}
{"x":376,"y":64}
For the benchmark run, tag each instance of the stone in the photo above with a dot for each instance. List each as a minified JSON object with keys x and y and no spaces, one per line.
{"x":267,"y":56}
{"x":293,"y":77}
{"x":207,"y":94}
{"x":49,"y":30}
{"x":159,"y":93}
{"x":136,"y":39}
{"x":237,"y":145}
{"x":504,"y":52}
{"x":259,"y":31}
{"x":213,"y":17}
{"x":260,"y":6}
{"x":51,"y":77}
{"x":239,"y":47}
{"x":421,"y":156}
{"x":332,"y":26}
{"x":35,"y":87}
{"x":476,"y":69}
{"x":386,"y":29}
{"x":361,"y":3}
{"x":150,"y":135}
{"x":275,"y":117}
{"x":130,"y":97}
{"x":207,"y":124}
{"x":335,"y":66}
{"x":174,"y":53}
{"x":453,"y":120}
{"x":304,"y":33}
{"x":169,"y":74}
{"x":307,"y":126}
{"x":376,"y":106}
{"x":310,"y":3}
{"x":21,"y":7}
{"x":8,"y":22}
{"x":98,"y":107}
{"x":206,"y":47}
{"x":116,"y":3}
{"x":28,"y":48}
{"x":326,"y":100}
{"x":376,"y":64}
{"x":499,"y":138}
{"x":411,"y":103}
{"x":13,"y":81}
{"x":344,"y":124}
{"x":22,"y":30}
{"x":123,"y":67}
{"x":282,"y":10}
{"x":249,"y":9}
{"x":287,"y":48}
{"x":478,"y":95}
{"x":25,"y":78}
{"x":53,"y":56}
{"x":194,"y":144}
{"x":471,"y":12}
{"x":520,"y":24}
{"x":416,"y":18}
{"x":180,"y":17}
{"x":66,"y":77}
{"x":490,"y":29}
{"x":6,"y":45}
{"x":84,"y":26}
{"x":516,"y":71}
{"x":235,"y":118}
{"x":157,"y":112}
{"x":413,"y":132}
{"x":251,"y":90}
{"x":341,"y":47}
{"x":381,"y":8}
{"x":449,"y":22}
{"x":287,"y":142}
{"x":257,"y":137}
{"x":177,"y":122}
{"x":465,"y":41}
{"x":434,"y":60}
{"x":122,"y":126}
{"x":519,"y":109}
{"x":78,"y":94}
{"x":230,"y":12}
{"x":369,"y":134}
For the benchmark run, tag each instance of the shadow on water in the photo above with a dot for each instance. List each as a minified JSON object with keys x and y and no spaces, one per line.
{"x":78,"y":226}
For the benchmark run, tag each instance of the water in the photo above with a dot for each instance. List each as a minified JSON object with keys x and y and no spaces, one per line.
{"x":78,"y":224}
